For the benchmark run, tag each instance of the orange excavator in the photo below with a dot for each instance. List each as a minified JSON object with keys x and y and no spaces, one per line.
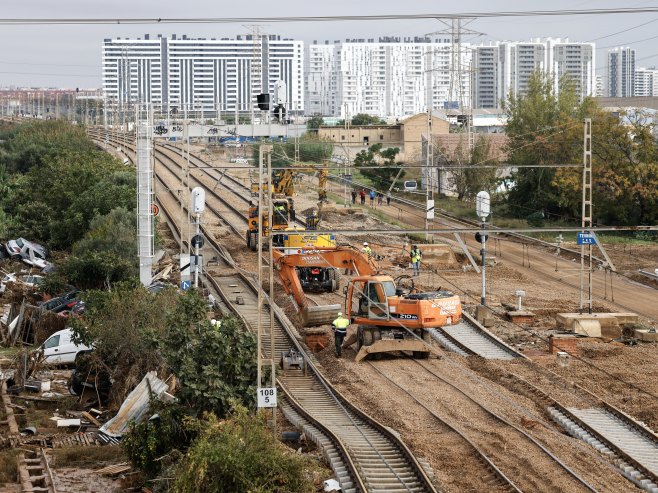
{"x":319,"y":270}
{"x":392,"y":318}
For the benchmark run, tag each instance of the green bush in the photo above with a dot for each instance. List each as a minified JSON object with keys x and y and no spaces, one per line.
{"x":218,"y":366}
{"x":536,"y":219}
{"x":240,"y":454}
{"x":148,"y":441}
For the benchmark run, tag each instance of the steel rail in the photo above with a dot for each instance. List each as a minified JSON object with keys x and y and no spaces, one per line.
{"x":478,"y":342}
{"x":502,"y":420}
{"x":505,"y":481}
{"x":632,"y":467}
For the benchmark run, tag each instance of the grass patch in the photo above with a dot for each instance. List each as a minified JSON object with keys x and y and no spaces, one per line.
{"x":9,"y":352}
{"x":94,"y":456}
{"x":8,"y":466}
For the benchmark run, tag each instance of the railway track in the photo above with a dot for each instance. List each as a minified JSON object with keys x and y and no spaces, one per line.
{"x":469,"y":338}
{"x":626,"y":443}
{"x":495,"y":455}
{"x":365,"y":455}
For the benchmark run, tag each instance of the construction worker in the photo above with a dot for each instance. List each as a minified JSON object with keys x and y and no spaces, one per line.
{"x":312,"y":220}
{"x":340,"y":331}
{"x":416,"y":256}
{"x":366,"y":249}
{"x":353,"y":197}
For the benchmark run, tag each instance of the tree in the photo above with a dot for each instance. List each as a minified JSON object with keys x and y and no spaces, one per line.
{"x":107,"y":252}
{"x":218,"y":367}
{"x":624,"y":170}
{"x":125,"y":325}
{"x":314,"y":122}
{"x":365,"y":119}
{"x":539,"y":129}
{"x":58,"y":198}
{"x":312,"y":149}
{"x":378,"y":165}
{"x":240,"y":454}
{"x":472,"y":176}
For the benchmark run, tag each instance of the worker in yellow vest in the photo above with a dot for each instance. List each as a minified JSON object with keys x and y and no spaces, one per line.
{"x":416,"y":257}
{"x":366,"y":249}
{"x":340,"y":331}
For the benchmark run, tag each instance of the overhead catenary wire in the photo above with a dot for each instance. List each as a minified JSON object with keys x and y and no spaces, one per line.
{"x":330,"y":18}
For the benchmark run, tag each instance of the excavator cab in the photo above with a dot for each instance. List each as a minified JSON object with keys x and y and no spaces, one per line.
{"x":283,"y":215}
{"x":388,"y":319}
{"x":371,"y":299}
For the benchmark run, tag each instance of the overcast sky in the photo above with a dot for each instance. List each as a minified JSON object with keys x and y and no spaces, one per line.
{"x":69,"y":56}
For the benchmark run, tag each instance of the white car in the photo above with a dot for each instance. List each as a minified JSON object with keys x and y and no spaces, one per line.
{"x":58,"y":349}
{"x":410,"y":186}
{"x":22,"y":249}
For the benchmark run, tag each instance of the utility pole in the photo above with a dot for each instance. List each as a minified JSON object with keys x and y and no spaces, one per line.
{"x":586,"y":217}
{"x":266,"y":396}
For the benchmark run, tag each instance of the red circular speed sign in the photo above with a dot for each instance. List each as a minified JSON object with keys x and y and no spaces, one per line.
{"x":155,"y":210}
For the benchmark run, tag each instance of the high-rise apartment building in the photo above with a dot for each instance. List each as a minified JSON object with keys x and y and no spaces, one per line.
{"x":501,"y":67}
{"x":390,"y":77}
{"x":600,"y":87}
{"x":213,"y":74}
{"x":621,"y":72}
{"x":646,"y":81}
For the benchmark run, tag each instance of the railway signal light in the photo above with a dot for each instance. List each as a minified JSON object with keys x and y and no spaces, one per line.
{"x":263,"y":101}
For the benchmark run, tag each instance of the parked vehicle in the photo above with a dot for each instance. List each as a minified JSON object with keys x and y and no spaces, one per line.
{"x":59,"y":349}
{"x":61,"y":303}
{"x":21,"y":249}
{"x":410,"y":186}
{"x":35,"y":261}
{"x":75,"y":308}
{"x":29,"y":281}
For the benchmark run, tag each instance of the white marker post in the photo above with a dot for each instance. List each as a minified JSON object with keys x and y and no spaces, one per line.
{"x":197,"y":207}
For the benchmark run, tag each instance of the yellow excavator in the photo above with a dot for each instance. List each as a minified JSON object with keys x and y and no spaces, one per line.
{"x":298,"y":239}
{"x":283,"y":180}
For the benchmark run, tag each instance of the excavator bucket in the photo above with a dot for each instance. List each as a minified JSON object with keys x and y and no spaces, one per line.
{"x":389,"y":345}
{"x":320,"y":315}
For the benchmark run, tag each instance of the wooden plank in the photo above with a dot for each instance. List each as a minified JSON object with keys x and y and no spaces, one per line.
{"x":91,"y":419}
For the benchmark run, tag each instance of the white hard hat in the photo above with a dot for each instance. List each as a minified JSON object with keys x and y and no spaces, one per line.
{"x":340,"y":314}
{"x":365,"y":243}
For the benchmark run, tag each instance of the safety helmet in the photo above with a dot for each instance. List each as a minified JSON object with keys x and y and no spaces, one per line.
{"x":365,"y":243}
{"x":340,"y":314}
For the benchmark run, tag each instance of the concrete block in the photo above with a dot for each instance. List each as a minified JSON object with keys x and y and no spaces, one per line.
{"x":438,"y":253}
{"x":610,"y":331}
{"x":484,"y":315}
{"x":626,"y":318}
{"x":587,"y":327}
{"x":645,"y":335}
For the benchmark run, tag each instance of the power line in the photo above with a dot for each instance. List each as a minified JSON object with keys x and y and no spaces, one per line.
{"x":380,"y":17}
{"x":623,"y":31}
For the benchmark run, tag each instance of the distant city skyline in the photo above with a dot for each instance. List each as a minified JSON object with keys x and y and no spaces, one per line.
{"x":67,"y":56}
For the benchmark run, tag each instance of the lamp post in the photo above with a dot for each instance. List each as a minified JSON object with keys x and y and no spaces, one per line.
{"x":483,"y":209}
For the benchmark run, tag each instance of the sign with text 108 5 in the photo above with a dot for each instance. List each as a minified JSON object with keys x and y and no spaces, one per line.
{"x":586,"y":239}
{"x":267,"y":397}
